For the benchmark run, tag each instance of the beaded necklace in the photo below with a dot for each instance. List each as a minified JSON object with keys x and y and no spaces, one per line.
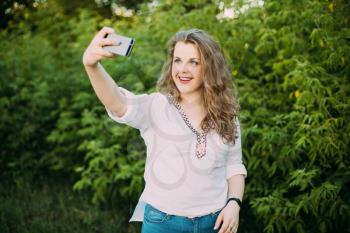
{"x":201,"y":137}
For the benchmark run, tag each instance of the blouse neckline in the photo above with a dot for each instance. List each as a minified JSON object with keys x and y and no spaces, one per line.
{"x":201,"y":136}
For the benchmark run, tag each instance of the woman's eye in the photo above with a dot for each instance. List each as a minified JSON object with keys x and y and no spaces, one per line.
{"x":176,"y":60}
{"x":194,"y":63}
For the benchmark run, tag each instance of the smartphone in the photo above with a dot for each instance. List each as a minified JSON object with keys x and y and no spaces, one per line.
{"x":123,"y":44}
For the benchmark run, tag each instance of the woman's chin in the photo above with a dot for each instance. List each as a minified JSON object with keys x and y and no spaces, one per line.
{"x":187,"y":90}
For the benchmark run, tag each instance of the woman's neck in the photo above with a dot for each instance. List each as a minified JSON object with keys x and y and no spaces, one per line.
{"x":191,"y":99}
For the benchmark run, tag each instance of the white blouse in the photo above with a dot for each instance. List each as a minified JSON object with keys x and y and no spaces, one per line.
{"x":176,"y":181}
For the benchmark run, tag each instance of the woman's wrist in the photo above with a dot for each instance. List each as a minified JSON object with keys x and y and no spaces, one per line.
{"x":233,"y":204}
{"x":91,"y":66}
{"x":235,"y":200}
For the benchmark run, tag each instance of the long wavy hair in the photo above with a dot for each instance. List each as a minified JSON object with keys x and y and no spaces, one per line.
{"x":218,"y":92}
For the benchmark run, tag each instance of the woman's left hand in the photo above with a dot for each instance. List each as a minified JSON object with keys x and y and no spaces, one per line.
{"x":229,"y":215}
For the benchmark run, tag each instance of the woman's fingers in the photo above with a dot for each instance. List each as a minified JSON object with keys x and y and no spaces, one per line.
{"x":235,"y":228}
{"x":232,"y":229}
{"x":105,"y":42}
{"x":224,"y":227}
{"x":105,"y":30}
{"x":103,"y":53}
{"x":95,"y":52}
{"x":218,"y":221}
{"x":100,"y":39}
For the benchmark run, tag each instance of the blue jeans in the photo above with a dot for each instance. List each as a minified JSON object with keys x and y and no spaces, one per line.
{"x":156,"y":221}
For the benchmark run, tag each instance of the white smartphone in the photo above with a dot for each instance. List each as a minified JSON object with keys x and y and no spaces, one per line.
{"x":123,"y":45}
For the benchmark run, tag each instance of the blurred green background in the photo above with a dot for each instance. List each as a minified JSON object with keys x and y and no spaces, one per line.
{"x":66,"y":167}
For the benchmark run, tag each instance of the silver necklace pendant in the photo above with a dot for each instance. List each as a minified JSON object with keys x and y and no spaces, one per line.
{"x":201,"y":143}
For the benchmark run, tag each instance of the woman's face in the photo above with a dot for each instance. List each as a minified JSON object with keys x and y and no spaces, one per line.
{"x":186,"y":68}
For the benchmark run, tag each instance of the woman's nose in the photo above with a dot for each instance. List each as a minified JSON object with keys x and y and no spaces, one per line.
{"x":183,"y":68}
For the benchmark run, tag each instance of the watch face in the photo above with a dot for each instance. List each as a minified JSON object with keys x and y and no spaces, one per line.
{"x":123,"y":45}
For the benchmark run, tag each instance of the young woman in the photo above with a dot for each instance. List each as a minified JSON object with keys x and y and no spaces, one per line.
{"x":194,"y":176}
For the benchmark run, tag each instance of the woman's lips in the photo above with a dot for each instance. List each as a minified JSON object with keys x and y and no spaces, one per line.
{"x":184,"y":80}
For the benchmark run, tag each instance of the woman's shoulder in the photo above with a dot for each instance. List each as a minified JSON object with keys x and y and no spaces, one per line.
{"x":159,"y":97}
{"x":142,"y":95}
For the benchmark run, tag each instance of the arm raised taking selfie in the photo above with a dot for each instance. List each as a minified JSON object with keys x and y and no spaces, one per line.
{"x":104,"y":86}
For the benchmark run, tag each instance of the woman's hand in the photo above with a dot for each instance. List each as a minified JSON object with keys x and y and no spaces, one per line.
{"x":230,"y":218}
{"x":94,"y":52}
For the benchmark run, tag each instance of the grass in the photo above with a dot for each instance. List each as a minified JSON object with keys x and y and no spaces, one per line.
{"x":56,"y":209}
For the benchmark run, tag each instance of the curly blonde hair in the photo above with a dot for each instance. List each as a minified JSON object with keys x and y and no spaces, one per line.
{"x":218,"y":91}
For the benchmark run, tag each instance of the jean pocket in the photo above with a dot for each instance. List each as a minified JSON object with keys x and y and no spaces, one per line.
{"x":215,"y":214}
{"x":154,"y":215}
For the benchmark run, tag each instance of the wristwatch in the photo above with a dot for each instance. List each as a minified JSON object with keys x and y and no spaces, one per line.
{"x":239,"y":202}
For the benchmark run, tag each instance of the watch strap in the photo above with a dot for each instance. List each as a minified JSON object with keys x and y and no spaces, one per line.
{"x":239,"y":202}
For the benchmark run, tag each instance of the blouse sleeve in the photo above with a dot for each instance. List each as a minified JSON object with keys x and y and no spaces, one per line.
{"x":136,"y":114}
{"x":234,"y":165}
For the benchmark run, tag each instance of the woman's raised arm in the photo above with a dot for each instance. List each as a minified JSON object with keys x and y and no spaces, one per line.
{"x":105,"y":88}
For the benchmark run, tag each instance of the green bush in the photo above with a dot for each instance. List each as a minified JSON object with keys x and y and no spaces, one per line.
{"x":291,"y":65}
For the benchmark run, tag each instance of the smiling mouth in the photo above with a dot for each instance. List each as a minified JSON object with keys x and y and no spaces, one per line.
{"x":185,"y":78}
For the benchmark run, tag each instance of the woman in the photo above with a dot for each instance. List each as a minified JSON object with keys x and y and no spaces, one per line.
{"x":194,"y":176}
